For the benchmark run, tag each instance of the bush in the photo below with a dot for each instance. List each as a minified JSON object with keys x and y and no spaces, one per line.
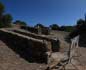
{"x":67,"y":28}
{"x":1,"y":24}
{"x":54,"y":27}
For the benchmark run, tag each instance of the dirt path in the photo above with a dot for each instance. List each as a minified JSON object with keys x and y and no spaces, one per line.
{"x":82,"y":50}
{"x":61,"y":35}
{"x":9,"y":60}
{"x":64,"y":45}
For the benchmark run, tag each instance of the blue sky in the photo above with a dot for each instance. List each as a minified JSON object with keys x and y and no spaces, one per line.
{"x":47,"y":12}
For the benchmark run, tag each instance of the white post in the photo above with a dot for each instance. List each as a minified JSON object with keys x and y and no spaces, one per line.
{"x":74,"y":46}
{"x":39,"y":30}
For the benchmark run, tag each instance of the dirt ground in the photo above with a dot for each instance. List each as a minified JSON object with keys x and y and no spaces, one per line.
{"x":9,"y":60}
{"x":64,"y":47}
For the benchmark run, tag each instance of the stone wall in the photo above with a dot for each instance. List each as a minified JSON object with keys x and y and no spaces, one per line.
{"x":30,"y":29}
{"x":31,"y":50}
{"x":41,"y":30}
{"x":55,"y":44}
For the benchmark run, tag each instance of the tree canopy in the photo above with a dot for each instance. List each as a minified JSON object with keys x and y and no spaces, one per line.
{"x":2,"y":8}
{"x":5,"y":19}
{"x":80,"y":28}
{"x":54,"y":27}
{"x":22,"y":23}
{"x":80,"y":22}
{"x":40,"y":25}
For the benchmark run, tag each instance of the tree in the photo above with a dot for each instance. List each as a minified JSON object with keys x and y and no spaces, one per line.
{"x":1,"y":8}
{"x":22,"y":23}
{"x":67,"y":28}
{"x":1,"y":24}
{"x":80,"y":29}
{"x":54,"y":27}
{"x":17,"y":21}
{"x":7,"y":19}
{"x":80,"y":22}
{"x":1,"y":14}
{"x":62,"y":28}
{"x":40,"y":25}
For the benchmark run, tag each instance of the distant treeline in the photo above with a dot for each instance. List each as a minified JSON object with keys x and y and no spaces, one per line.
{"x":62,"y":28}
{"x":6,"y":21}
{"x":39,"y":28}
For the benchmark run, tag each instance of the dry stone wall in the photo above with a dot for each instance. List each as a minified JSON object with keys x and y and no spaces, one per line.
{"x":31,"y":50}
